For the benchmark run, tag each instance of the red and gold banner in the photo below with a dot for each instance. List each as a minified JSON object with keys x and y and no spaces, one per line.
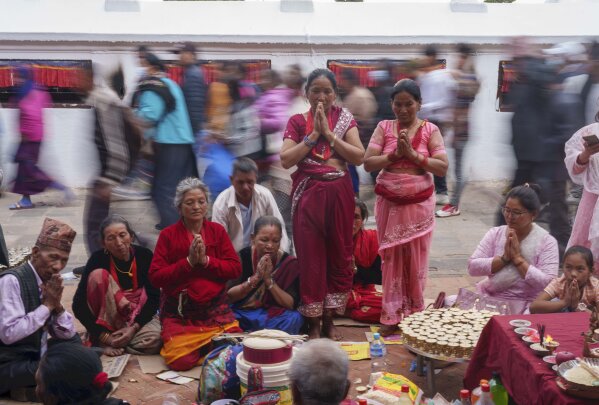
{"x":362,"y":69}
{"x":252,"y":68}
{"x":59,"y":74}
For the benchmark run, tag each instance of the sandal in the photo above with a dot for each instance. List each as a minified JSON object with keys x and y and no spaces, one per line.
{"x":18,"y":206}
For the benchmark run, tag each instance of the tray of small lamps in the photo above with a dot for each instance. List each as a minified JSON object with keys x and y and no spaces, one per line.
{"x":445,"y":332}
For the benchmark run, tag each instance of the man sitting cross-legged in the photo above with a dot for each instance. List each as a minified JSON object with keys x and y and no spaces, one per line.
{"x":31,"y":310}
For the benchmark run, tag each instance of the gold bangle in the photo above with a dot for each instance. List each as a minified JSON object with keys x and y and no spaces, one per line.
{"x":333,"y":141}
{"x":104,"y":336}
{"x":272,"y":284}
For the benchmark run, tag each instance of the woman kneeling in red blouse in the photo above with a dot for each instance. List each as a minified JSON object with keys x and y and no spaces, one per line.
{"x":192,"y":263}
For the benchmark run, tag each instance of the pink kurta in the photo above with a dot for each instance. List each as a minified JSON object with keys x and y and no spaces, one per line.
{"x":585,"y":231}
{"x":542,"y":256}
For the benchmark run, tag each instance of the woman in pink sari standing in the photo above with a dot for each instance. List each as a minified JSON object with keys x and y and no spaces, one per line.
{"x":321,"y":142}
{"x":582,"y":162}
{"x":408,"y":151}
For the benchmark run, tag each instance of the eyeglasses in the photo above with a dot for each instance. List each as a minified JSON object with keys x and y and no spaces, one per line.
{"x":511,"y":212}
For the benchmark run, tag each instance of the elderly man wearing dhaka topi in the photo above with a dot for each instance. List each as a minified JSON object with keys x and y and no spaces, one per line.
{"x":30,"y":310}
{"x":193,"y":260}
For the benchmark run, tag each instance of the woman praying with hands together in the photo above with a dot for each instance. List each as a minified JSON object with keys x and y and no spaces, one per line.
{"x":193,"y":261}
{"x":408,"y":151}
{"x":321,"y":142}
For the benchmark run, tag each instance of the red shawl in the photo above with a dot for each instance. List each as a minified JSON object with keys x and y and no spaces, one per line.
{"x":366,"y":247}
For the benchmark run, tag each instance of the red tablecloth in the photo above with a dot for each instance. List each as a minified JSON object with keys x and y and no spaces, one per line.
{"x":526,"y":377}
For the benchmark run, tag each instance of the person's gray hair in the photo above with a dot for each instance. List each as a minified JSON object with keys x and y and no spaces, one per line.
{"x":244,"y":165}
{"x":188,"y":184}
{"x":319,"y":372}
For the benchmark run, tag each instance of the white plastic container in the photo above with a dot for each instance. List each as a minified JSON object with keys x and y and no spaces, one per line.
{"x":275,"y":377}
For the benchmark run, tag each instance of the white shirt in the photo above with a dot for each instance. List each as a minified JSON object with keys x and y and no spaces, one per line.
{"x":226,"y":212}
{"x":437,"y":88}
{"x":246,"y":223}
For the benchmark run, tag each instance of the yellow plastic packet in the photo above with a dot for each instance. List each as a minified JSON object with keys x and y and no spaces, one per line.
{"x":391,"y":383}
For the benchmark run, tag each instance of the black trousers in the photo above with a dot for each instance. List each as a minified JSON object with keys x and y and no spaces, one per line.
{"x":21,"y":373}
{"x":173,"y":163}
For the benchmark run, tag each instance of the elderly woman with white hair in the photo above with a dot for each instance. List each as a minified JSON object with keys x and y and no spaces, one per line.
{"x":319,"y":373}
{"x":193,"y":260}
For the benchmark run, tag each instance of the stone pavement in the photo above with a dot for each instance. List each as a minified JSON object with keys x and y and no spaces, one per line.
{"x":454,"y":240}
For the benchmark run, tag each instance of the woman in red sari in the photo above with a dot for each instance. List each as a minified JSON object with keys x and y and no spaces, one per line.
{"x":193,"y":260}
{"x":321,"y":142}
{"x":407,"y":151}
{"x":365,"y":302}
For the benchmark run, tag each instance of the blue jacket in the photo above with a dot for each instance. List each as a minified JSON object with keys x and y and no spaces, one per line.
{"x":172,"y":128}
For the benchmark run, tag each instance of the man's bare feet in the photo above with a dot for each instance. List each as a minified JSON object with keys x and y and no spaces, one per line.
{"x":113,"y":351}
{"x":387,"y":330}
{"x":329,"y":329}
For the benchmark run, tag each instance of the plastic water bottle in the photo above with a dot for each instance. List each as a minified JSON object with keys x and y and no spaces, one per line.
{"x":498,"y":391}
{"x":465,"y":397}
{"x":477,"y":391}
{"x":378,"y":352}
{"x":404,"y":399}
{"x":485,"y":396}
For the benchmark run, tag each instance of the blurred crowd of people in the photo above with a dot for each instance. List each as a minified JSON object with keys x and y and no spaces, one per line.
{"x":549,"y":96}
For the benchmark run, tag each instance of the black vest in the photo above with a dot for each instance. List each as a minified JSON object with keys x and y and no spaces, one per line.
{"x":28,"y":348}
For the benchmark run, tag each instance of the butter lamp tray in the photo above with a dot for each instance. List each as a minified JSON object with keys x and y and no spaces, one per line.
{"x":447,"y":333}
{"x":436,"y":356}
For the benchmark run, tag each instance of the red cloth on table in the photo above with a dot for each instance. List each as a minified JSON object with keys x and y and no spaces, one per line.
{"x":526,"y":377}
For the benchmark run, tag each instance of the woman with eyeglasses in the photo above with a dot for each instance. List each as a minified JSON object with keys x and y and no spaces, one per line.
{"x":519,"y":259}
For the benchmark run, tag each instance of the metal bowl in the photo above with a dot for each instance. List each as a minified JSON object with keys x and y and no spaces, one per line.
{"x":579,"y":390}
{"x":525,"y":331}
{"x":520,"y":323}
